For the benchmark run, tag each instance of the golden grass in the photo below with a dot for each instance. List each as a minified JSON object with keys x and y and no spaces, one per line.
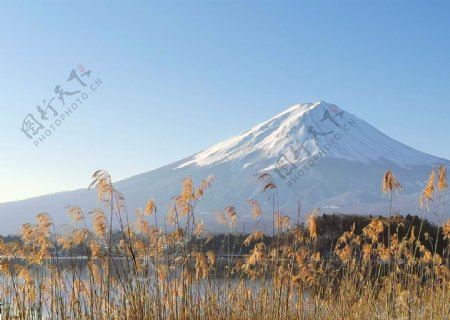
{"x":152,"y":272}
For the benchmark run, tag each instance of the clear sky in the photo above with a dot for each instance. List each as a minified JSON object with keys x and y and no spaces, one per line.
{"x":179,"y":76}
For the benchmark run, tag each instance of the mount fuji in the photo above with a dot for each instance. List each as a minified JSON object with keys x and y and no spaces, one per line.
{"x":316,"y":152}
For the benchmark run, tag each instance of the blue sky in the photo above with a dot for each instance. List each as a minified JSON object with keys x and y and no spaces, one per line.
{"x":179,"y":76}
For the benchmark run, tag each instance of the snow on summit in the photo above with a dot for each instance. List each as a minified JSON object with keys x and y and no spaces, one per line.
{"x":308,"y":130}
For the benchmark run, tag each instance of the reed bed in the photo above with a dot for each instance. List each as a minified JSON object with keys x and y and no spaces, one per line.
{"x":154,"y":267}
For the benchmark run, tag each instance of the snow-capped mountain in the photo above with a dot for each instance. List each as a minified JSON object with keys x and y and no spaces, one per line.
{"x":310,"y":128}
{"x":314,"y":151}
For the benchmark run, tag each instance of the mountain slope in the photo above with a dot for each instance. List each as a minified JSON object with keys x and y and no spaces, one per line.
{"x":315,"y":151}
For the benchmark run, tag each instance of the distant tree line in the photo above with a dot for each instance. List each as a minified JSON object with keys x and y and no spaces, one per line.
{"x":329,"y":228}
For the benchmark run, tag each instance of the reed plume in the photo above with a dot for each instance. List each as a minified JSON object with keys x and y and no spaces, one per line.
{"x":427,"y":193}
{"x":232,"y":214}
{"x":255,"y":208}
{"x":390,"y":183}
{"x":312,"y":226}
{"x":442,"y":183}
